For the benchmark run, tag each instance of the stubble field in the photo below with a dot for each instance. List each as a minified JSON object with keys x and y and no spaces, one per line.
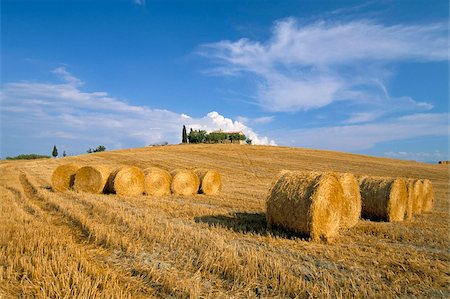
{"x":66,"y":245}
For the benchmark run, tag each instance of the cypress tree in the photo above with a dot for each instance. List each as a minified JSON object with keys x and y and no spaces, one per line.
{"x":184,"y":137}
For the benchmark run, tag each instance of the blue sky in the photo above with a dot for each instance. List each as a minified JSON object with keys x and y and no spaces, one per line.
{"x":367,"y":77}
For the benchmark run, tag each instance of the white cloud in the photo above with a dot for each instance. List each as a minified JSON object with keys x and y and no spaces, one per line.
{"x":364,"y":136}
{"x":419,"y":156}
{"x":139,"y":2}
{"x":84,"y":119}
{"x":311,"y":66}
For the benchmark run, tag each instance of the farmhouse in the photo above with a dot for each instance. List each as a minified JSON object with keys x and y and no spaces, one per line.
{"x":236,"y":137}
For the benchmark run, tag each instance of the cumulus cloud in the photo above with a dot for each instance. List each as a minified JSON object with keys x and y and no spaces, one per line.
{"x":303,"y":67}
{"x":83,"y":119}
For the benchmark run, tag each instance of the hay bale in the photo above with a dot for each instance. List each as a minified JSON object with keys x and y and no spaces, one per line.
{"x":157,"y":181}
{"x":184,"y":182}
{"x":210,"y":181}
{"x":91,"y":179}
{"x":127,"y":180}
{"x":351,"y":201}
{"x":383,"y":198}
{"x":409,"y":198}
{"x":418,"y":197}
{"x":308,"y":203}
{"x":63,"y":177}
{"x":428,"y":195}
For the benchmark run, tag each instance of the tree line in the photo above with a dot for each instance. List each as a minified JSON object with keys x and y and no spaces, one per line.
{"x":201,"y":136}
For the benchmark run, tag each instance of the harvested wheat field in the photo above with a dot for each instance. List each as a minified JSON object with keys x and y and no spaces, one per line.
{"x":69,"y":244}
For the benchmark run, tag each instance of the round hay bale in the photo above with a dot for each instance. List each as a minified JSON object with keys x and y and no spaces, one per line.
{"x":418,"y":197}
{"x":351,"y":201}
{"x":91,"y":179}
{"x":157,"y":181}
{"x":428,"y":195}
{"x":63,"y":177}
{"x":210,"y":181}
{"x":308,"y":203}
{"x":383,"y":198}
{"x":409,"y":198}
{"x":127,"y":180}
{"x":184,"y":182}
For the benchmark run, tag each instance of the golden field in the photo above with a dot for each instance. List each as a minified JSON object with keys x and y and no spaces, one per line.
{"x":73,"y":245}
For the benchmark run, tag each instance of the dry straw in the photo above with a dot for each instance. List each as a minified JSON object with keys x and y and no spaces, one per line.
{"x":184,"y":182}
{"x":428,"y":195}
{"x":91,"y":179}
{"x":127,"y":180}
{"x":157,"y":181}
{"x":63,"y":177}
{"x":351,"y":201}
{"x":418,"y":197}
{"x":210,"y":181}
{"x":307,"y":203}
{"x":409,"y":198}
{"x":383,"y":198}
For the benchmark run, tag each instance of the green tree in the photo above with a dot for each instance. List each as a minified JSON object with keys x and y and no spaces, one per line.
{"x":55,"y":152}
{"x":64,"y":154}
{"x":197,"y":136}
{"x":100,"y":148}
{"x":248,"y":141}
{"x":184,"y":135}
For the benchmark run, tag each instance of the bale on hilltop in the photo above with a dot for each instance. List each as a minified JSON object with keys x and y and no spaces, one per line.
{"x":91,"y":179}
{"x":210,"y":181}
{"x":306,"y":203}
{"x":126,"y":180}
{"x":157,"y":181}
{"x":63,"y":177}
{"x":418,"y":197}
{"x":409,"y":198}
{"x":383,"y":198}
{"x":351,"y":200}
{"x":184,"y":182}
{"x":428,"y":195}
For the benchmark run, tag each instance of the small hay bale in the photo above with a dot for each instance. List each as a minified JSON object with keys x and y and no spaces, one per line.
{"x":91,"y":179}
{"x":351,"y":201}
{"x":210,"y":181}
{"x":418,"y":197}
{"x":184,"y":182}
{"x":127,"y":180}
{"x":383,"y":198}
{"x":308,"y":203}
{"x":409,"y":198}
{"x":63,"y":177}
{"x":428,"y":195}
{"x":157,"y":181}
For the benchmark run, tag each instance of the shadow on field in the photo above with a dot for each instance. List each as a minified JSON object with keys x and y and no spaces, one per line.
{"x":253,"y":223}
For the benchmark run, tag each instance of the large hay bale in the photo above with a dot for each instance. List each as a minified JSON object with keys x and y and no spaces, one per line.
{"x":418,"y":197}
{"x":307,"y":203}
{"x":127,"y":180}
{"x":184,"y":182}
{"x":409,"y":198}
{"x":351,"y":201}
{"x":210,"y":181}
{"x":428,"y":195}
{"x":91,"y":179}
{"x":383,"y":198}
{"x":157,"y":181}
{"x":63,"y":177}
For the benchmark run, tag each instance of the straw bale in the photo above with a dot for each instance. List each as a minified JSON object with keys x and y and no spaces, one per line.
{"x":126,"y":180}
{"x":63,"y":177}
{"x":383,"y":198}
{"x":418,"y":197}
{"x":351,"y":201}
{"x":184,"y":182}
{"x":157,"y":181}
{"x":210,"y":181}
{"x":308,"y":203}
{"x":409,"y":198}
{"x":91,"y":179}
{"x":428,"y":196}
